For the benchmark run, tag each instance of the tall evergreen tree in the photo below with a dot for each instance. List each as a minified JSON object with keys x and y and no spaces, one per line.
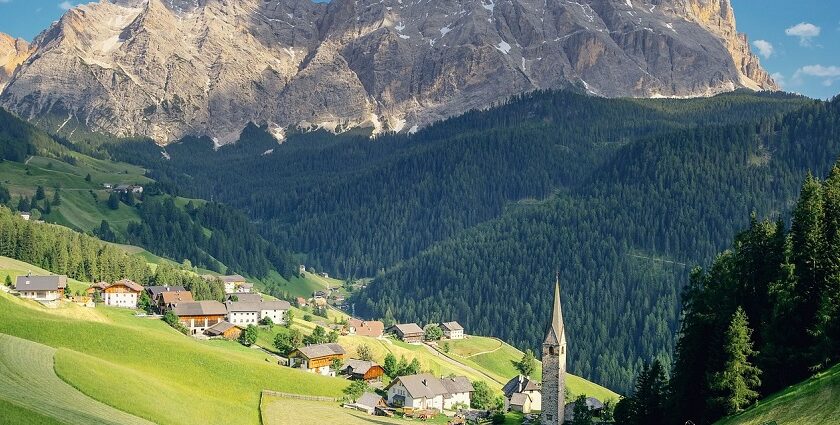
{"x":651,"y":395}
{"x":736,"y":385}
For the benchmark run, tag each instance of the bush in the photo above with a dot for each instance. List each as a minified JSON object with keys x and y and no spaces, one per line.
{"x":172,"y":320}
{"x":433,"y":333}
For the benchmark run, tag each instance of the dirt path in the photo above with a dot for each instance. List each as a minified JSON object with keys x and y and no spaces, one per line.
{"x":501,"y":344}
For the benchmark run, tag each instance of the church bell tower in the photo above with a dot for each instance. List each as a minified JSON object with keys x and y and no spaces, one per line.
{"x":554,"y":366}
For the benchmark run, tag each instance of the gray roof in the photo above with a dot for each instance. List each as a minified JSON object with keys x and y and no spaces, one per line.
{"x":219,"y":328}
{"x":451,"y":326}
{"x":408,"y":328}
{"x":321,"y":350}
{"x":40,"y":283}
{"x":244,"y":306}
{"x":369,"y":400}
{"x":520,"y":384}
{"x":200,"y":308}
{"x":155,"y":291}
{"x":427,"y":385}
{"x":457,"y":385}
{"x":232,"y":278}
{"x":360,"y":367}
{"x":519,"y":399}
{"x":246,"y":297}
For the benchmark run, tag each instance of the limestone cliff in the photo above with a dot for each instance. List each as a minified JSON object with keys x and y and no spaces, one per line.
{"x":170,"y":68}
{"x":13,"y":52}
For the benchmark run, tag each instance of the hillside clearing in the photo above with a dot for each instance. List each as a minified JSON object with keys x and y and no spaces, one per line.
{"x":27,"y":379}
{"x":814,"y":401}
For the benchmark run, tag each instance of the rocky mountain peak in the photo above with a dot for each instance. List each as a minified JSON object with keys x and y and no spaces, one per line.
{"x":171,"y":68}
{"x":13,"y":52}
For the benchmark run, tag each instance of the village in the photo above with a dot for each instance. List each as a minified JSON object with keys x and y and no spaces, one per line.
{"x":388,"y":390}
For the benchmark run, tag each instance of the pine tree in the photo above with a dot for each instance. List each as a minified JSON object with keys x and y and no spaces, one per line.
{"x":650,"y":397}
{"x":527,"y":364}
{"x":737,"y":383}
{"x":57,"y":196}
{"x":827,"y":328}
{"x":114,"y":201}
{"x":40,"y":194}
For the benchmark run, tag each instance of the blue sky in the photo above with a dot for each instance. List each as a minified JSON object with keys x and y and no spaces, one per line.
{"x":798,"y":40}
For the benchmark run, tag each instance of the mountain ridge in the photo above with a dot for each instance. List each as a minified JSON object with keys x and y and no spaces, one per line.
{"x":166,"y":69}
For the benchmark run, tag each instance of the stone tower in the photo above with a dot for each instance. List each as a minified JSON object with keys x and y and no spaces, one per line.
{"x":554,"y":366}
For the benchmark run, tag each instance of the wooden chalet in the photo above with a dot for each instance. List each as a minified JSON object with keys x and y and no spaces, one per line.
{"x":198,"y":316}
{"x":408,"y":332}
{"x":224,"y":330}
{"x":362,"y":370}
{"x":317,"y":358}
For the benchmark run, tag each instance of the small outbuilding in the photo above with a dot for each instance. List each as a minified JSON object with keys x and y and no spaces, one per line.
{"x":362,"y":370}
{"x":224,"y":330}
{"x":408,"y":332}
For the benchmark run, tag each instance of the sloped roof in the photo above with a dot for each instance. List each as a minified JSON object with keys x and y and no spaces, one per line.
{"x":408,"y":328}
{"x":232,"y":278}
{"x":519,"y":399}
{"x":370,"y":400}
{"x":134,"y":286}
{"x":360,"y":367}
{"x":520,"y":384}
{"x":243,"y":306}
{"x":457,"y":385}
{"x":321,"y":350}
{"x":451,"y":326}
{"x":154,"y":291}
{"x":40,"y":283}
{"x":176,"y":297}
{"x":427,"y":385}
{"x":200,"y":308}
{"x":219,"y":328}
{"x":365,"y":328}
{"x":556,"y":333}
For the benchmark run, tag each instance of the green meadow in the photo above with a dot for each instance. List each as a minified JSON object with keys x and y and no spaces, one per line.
{"x":144,"y":368}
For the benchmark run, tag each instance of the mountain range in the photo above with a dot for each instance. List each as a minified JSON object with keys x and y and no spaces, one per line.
{"x":166,"y":69}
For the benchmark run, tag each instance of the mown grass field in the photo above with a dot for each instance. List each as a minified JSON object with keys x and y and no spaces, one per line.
{"x":27,"y":379}
{"x":815,"y":401}
{"x":143,"y":367}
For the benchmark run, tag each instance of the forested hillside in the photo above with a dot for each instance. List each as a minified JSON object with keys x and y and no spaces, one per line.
{"x":625,"y":196}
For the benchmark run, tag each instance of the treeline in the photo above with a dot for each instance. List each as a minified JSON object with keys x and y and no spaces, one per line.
{"x":87,"y":259}
{"x":765,"y":315}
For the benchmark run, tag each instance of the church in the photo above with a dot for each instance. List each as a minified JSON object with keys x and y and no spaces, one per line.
{"x":522,"y":394}
{"x":554,"y":366}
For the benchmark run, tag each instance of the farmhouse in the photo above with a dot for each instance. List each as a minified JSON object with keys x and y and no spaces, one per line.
{"x":128,"y":188}
{"x":224,"y":330}
{"x":155,"y":291}
{"x":317,"y":358}
{"x":234,"y":284}
{"x":300,"y":301}
{"x":197,"y":316}
{"x":369,"y":403}
{"x":424,"y":391}
{"x":373,"y":329}
{"x":123,"y":293}
{"x":242,"y":313}
{"x":41,"y":288}
{"x":169,"y":300}
{"x":26,"y":216}
{"x":522,"y":394}
{"x":408,"y":332}
{"x":361,"y":370}
{"x":452,"y":330}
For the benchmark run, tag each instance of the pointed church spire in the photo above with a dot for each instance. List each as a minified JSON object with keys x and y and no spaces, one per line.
{"x":555,"y":334}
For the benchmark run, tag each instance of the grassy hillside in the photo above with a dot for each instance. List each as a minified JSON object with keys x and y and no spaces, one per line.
{"x":815,"y":401}
{"x":27,"y":380}
{"x":160,"y":374}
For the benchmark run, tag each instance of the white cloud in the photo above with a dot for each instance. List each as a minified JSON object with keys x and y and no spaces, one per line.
{"x":5,"y":1}
{"x":804,"y":31}
{"x":65,"y":5}
{"x":765,"y":48}
{"x":829,"y":74}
